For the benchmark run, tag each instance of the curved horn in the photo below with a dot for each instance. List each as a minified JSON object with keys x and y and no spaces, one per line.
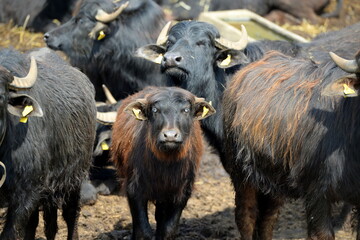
{"x":239,"y":45}
{"x":108,"y":95}
{"x":29,"y":80}
{"x":162,"y":38}
{"x":350,"y":66}
{"x":98,"y":104}
{"x":104,"y":17}
{"x":106,"y":117}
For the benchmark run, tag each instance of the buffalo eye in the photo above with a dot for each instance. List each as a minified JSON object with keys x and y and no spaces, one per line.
{"x":168,"y":44}
{"x":200,"y":43}
{"x":186,"y":110}
{"x":154,"y":109}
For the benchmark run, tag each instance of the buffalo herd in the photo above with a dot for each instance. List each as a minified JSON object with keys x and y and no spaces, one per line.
{"x":143,"y":96}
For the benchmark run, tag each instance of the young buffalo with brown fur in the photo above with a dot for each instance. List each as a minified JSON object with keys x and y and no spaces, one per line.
{"x":157,"y":146}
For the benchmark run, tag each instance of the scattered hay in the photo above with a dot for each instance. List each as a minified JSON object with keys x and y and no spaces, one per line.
{"x":19,"y":38}
{"x":307,"y":29}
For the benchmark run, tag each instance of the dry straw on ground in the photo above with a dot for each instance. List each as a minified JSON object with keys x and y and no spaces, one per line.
{"x":19,"y":37}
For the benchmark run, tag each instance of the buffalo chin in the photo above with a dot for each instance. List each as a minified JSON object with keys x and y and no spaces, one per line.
{"x":175,"y":72}
{"x":169,"y":147}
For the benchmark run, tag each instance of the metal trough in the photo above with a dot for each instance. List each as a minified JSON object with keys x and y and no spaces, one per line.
{"x":258,"y":28}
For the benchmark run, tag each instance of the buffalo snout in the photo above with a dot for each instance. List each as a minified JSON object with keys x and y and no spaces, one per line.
{"x":172,"y":59}
{"x":52,"y":42}
{"x":171,"y":135}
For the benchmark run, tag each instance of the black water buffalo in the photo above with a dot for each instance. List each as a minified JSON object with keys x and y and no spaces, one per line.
{"x":101,"y":41}
{"x":41,"y":14}
{"x":157,"y":146}
{"x":47,"y":132}
{"x":272,"y":9}
{"x":292,"y":129}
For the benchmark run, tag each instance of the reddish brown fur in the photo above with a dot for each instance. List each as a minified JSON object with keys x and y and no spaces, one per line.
{"x":127,"y":131}
{"x":263,"y":122}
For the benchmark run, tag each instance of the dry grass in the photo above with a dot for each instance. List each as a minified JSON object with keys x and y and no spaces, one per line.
{"x":309,"y":30}
{"x":19,"y":37}
{"x":348,"y":16}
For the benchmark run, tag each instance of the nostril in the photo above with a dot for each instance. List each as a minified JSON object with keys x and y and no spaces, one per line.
{"x":46,"y":36}
{"x":178,"y":59}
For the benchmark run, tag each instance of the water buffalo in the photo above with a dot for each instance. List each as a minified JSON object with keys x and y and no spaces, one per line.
{"x":47,"y":132}
{"x":100,"y":41}
{"x":157,"y":146}
{"x":291,"y":130}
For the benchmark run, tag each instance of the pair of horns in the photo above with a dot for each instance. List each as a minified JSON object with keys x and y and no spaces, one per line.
{"x":350,"y":66}
{"x":105,"y":17}
{"x":29,"y":80}
{"x":221,"y":42}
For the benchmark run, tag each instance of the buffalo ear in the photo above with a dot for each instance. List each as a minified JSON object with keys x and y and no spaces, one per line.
{"x":230,"y":57}
{"x":23,"y":105}
{"x":152,"y":53}
{"x":99,"y":32}
{"x":137,"y":109}
{"x":347,"y":86}
{"x":203,"y":109}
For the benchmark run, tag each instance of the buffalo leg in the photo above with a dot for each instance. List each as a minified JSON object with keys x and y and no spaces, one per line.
{"x":318,"y":217}
{"x":18,"y":214}
{"x":167,"y":216}
{"x":9,"y":231}
{"x":33,"y":222}
{"x":268,"y":213}
{"x":246,"y":209}
{"x":71,"y":210}
{"x":140,"y":220}
{"x":50,"y":220}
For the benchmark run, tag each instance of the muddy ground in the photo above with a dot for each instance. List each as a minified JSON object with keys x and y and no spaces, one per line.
{"x":209,"y":213}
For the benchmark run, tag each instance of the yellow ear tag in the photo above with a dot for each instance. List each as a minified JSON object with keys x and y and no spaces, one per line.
{"x":158,"y":59}
{"x":27,"y":110}
{"x":137,"y":113}
{"x":101,"y":35}
{"x":205,"y":111}
{"x":348,"y":90}
{"x":56,"y":22}
{"x":23,"y":120}
{"x":226,"y":61}
{"x":104,"y":146}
